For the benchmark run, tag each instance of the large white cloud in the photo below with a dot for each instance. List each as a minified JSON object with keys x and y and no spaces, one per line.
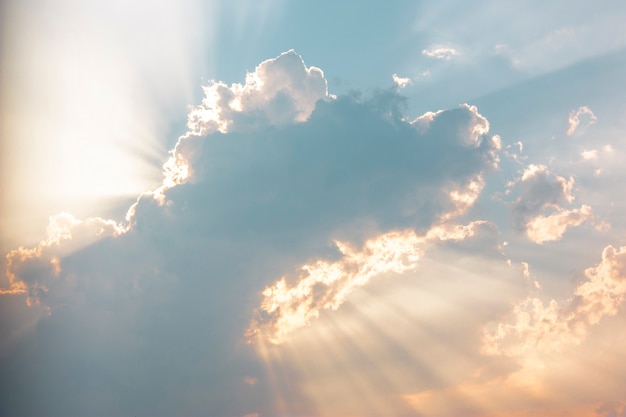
{"x":270,"y":173}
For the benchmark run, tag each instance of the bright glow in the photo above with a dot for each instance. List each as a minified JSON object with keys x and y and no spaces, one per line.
{"x":91,"y":89}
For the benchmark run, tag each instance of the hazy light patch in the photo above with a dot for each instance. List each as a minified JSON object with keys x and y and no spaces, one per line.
{"x":91,"y":90}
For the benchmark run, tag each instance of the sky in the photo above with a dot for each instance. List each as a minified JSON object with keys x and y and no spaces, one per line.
{"x":313,"y":209}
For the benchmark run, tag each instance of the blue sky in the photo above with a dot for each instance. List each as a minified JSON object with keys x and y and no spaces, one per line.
{"x":274,"y":208}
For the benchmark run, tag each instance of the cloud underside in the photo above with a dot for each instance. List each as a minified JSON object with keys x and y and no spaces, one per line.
{"x":280,"y":208}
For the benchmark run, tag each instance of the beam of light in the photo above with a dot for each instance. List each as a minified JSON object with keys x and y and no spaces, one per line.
{"x":364,"y":358}
{"x":326,"y":285}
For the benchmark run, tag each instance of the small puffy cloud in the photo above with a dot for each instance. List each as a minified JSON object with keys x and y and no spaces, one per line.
{"x":542,"y":229}
{"x":540,"y":189}
{"x":589,"y":155}
{"x":584,"y":115}
{"x":443,"y":53}
{"x":401,"y":81}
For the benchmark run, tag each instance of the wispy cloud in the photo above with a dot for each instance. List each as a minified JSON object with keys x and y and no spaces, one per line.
{"x":445,"y":53}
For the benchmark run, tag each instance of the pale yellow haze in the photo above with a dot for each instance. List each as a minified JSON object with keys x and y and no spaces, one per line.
{"x":87,"y":100}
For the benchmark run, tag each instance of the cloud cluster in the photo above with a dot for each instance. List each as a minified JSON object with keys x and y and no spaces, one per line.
{"x":536,"y":327}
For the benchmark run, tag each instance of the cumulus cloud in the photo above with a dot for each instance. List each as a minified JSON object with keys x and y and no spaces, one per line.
{"x":443,"y":53}
{"x":270,"y":172}
{"x":575,"y":117}
{"x":401,"y":81}
{"x":280,"y":90}
{"x":536,"y":327}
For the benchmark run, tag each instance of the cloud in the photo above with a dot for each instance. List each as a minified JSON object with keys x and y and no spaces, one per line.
{"x":574,"y":119}
{"x":542,"y":229}
{"x":536,"y":327}
{"x":540,"y":189}
{"x":269,"y":174}
{"x":543,"y":350}
{"x":326,"y":285}
{"x":444,"y":53}
{"x":400,"y":81}
{"x":281,"y":90}
{"x":589,"y":155}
